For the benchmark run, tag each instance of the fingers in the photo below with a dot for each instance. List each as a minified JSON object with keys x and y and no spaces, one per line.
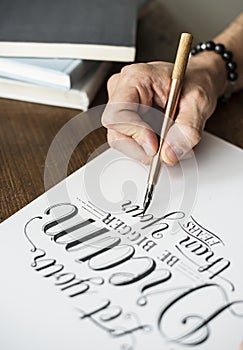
{"x":180,"y":141}
{"x":186,"y":132}
{"x":132,"y":93}
{"x":129,"y":147}
{"x":128,"y":133}
{"x":129,"y":94}
{"x":133,"y":84}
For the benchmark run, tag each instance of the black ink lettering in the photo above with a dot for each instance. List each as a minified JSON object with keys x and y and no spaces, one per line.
{"x":144,"y":217}
{"x":69,"y":215}
{"x":127,"y":203}
{"x":135,"y":235}
{"x":164,"y":275}
{"x":65,"y":278}
{"x":51,"y":264}
{"x":186,"y":239}
{"x":198,"y":332}
{"x":170,"y":259}
{"x":197,"y":248}
{"x":75,"y":245}
{"x":118,"y":224}
{"x":66,"y":236}
{"x":219,"y":265}
{"x":98,"y":247}
{"x":108,"y":219}
{"x":148,"y":245}
{"x":112,"y":258}
{"x":175,"y":215}
{"x":134,"y":208}
{"x":125,"y":278}
{"x":128,"y":229}
{"x":157,"y":233}
{"x":111,"y":314}
{"x":80,"y":286}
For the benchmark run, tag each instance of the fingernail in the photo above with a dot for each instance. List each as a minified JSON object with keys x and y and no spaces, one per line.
{"x":148,"y":150}
{"x":174,"y":154}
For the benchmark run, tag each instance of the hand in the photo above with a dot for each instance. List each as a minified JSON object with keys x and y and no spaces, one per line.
{"x":148,"y":84}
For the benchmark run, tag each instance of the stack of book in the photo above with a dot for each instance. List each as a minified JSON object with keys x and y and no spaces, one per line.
{"x":58,"y":52}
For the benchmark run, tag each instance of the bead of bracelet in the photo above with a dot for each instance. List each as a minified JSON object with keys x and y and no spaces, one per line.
{"x":226,"y":55}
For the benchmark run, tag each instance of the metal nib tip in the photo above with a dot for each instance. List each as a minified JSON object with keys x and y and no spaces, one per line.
{"x":148,"y":197}
{"x":145,"y":207}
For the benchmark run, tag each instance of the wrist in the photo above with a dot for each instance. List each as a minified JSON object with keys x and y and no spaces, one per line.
{"x":212,"y":67}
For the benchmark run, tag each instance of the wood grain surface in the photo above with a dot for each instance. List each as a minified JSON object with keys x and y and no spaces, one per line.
{"x":182,"y":56}
{"x":27,"y":131}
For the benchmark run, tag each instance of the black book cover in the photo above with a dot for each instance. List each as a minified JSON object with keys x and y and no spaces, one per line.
{"x":88,"y":29}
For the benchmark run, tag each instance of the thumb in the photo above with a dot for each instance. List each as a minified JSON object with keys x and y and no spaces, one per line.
{"x":182,"y":137}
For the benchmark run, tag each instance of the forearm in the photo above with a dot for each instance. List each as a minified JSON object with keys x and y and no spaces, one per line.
{"x":214,"y":65}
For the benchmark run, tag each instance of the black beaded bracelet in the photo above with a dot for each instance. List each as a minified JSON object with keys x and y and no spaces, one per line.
{"x":226,"y":55}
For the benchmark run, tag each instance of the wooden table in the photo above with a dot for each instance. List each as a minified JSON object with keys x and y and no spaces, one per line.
{"x":27,"y":131}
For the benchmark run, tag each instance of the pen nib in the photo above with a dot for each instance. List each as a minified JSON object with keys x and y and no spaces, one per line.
{"x":148,"y":197}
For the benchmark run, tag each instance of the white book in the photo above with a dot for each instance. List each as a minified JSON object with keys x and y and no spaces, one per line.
{"x":78,"y":97}
{"x":61,"y":73}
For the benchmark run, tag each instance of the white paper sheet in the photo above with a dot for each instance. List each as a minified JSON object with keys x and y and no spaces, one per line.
{"x":81,"y":269}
